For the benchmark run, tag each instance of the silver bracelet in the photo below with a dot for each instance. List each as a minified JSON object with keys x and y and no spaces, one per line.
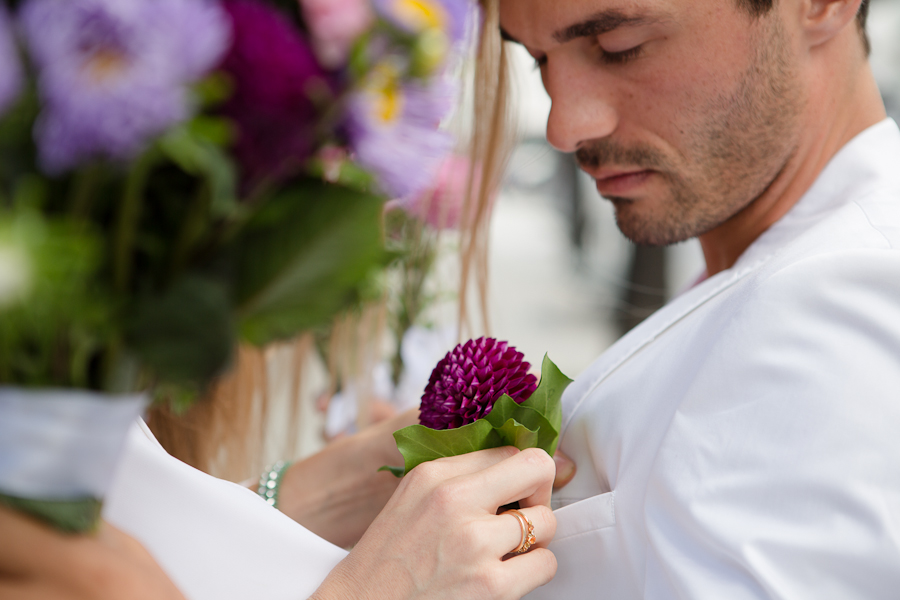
{"x":270,"y":482}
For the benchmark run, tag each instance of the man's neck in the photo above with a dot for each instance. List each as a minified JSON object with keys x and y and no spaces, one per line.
{"x":828,"y":127}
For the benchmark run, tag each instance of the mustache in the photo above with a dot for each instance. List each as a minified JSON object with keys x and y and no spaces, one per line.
{"x":596,"y":153}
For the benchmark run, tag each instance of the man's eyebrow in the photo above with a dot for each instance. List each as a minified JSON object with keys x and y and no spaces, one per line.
{"x":601,"y":23}
{"x":598,"y":24}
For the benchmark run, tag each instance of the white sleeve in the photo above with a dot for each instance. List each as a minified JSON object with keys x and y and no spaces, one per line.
{"x":780,"y":474}
{"x":215,"y":539}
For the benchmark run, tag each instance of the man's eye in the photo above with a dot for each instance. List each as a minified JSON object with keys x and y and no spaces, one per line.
{"x":618,"y":58}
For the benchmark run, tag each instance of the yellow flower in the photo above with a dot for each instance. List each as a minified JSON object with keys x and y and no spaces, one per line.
{"x":420,"y":15}
{"x":386,"y":93}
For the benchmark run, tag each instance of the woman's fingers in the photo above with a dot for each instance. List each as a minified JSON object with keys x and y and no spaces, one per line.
{"x":565,"y":470}
{"x":506,"y":528}
{"x":473,"y":462}
{"x":524,"y":572}
{"x":526,"y":477}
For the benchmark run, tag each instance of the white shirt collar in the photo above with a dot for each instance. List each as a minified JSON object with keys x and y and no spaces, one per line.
{"x":869,"y":162}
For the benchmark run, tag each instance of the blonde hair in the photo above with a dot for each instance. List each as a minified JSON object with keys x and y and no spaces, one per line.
{"x":492,"y":140}
{"x":225,"y":434}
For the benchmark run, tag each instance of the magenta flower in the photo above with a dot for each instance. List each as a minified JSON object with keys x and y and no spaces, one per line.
{"x":277,"y":79}
{"x":114,"y":74}
{"x":470,"y":379}
{"x":334,"y":25}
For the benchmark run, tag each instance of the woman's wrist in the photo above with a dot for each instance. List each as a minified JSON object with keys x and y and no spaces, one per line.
{"x":339,"y":491}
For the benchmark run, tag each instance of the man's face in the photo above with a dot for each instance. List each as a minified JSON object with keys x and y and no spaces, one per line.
{"x":684,"y":111}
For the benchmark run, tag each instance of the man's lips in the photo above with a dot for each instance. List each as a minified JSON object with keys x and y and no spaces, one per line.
{"x":619,"y":183}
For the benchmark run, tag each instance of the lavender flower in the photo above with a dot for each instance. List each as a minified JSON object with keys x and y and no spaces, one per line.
{"x":275,"y":72}
{"x":394,"y":129}
{"x":113,"y":74}
{"x":466,"y":383}
{"x":10,"y":68}
{"x":418,"y":16}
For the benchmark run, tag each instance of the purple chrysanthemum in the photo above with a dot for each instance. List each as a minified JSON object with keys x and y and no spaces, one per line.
{"x":276,"y":76}
{"x":10,"y":68}
{"x":394,"y":130}
{"x":466,"y":383}
{"x":114,"y":74}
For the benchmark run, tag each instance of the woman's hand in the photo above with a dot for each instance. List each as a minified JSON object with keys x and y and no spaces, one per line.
{"x":338,"y":492}
{"x":39,"y":563}
{"x":440,"y":537}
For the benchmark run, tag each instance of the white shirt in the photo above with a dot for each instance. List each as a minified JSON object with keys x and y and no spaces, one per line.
{"x":744,"y":441}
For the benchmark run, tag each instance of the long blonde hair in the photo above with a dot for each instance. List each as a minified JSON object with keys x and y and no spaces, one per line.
{"x":226,"y":433}
{"x":492,"y":140}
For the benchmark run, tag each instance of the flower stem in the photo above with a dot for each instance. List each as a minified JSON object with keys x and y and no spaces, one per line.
{"x":127,"y":224}
{"x":81,"y":194}
{"x":191,"y":229}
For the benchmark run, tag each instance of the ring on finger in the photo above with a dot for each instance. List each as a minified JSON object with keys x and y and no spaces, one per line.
{"x":528,"y":537}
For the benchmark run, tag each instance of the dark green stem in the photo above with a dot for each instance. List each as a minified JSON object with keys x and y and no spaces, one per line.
{"x":191,"y":230}
{"x":127,"y":224}
{"x":81,"y":194}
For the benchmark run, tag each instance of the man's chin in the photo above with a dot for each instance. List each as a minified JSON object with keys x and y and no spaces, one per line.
{"x":646,"y":230}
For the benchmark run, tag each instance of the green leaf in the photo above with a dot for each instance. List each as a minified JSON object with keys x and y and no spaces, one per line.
{"x":419,"y":444}
{"x":192,"y":148}
{"x":304,"y":257}
{"x":395,"y":471}
{"x":534,"y":423}
{"x":214,"y":89}
{"x":68,"y":516}
{"x":515,"y":434}
{"x":184,"y":335}
{"x":547,"y":398}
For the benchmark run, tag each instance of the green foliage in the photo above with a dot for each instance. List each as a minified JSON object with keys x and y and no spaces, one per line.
{"x":184,"y":335}
{"x":303,"y":257}
{"x":55,"y":318}
{"x":69,"y":516}
{"x":535,"y":423}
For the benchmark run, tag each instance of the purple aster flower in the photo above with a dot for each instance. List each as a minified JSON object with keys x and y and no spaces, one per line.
{"x":10,"y":68}
{"x":277,"y":77}
{"x":416,"y":16}
{"x":394,"y":130}
{"x":113,"y":74}
{"x":466,"y":383}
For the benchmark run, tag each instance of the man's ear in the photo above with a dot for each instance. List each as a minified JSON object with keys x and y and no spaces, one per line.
{"x":825,"y":19}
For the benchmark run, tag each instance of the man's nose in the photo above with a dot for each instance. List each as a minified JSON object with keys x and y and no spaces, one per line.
{"x":581,"y":110}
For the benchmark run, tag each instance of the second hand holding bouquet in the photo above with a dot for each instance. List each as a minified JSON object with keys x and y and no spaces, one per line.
{"x":481,"y":396}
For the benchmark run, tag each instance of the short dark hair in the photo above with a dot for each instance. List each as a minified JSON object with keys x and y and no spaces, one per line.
{"x":760,"y":7}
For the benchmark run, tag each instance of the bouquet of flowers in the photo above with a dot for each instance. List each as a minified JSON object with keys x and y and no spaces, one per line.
{"x":481,"y":395}
{"x":181,"y":176}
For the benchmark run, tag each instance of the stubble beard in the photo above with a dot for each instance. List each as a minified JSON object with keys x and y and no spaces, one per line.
{"x":741,"y":143}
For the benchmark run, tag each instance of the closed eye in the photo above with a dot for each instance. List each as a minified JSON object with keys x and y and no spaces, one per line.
{"x":610,"y":58}
{"x":619,"y":58}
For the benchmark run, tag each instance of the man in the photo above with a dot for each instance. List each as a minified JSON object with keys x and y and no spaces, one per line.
{"x":744,"y":442}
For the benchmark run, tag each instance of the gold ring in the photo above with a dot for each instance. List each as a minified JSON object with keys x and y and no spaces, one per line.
{"x":528,"y":539}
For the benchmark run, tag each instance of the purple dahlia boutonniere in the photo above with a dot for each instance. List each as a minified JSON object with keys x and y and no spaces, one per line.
{"x":481,"y":395}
